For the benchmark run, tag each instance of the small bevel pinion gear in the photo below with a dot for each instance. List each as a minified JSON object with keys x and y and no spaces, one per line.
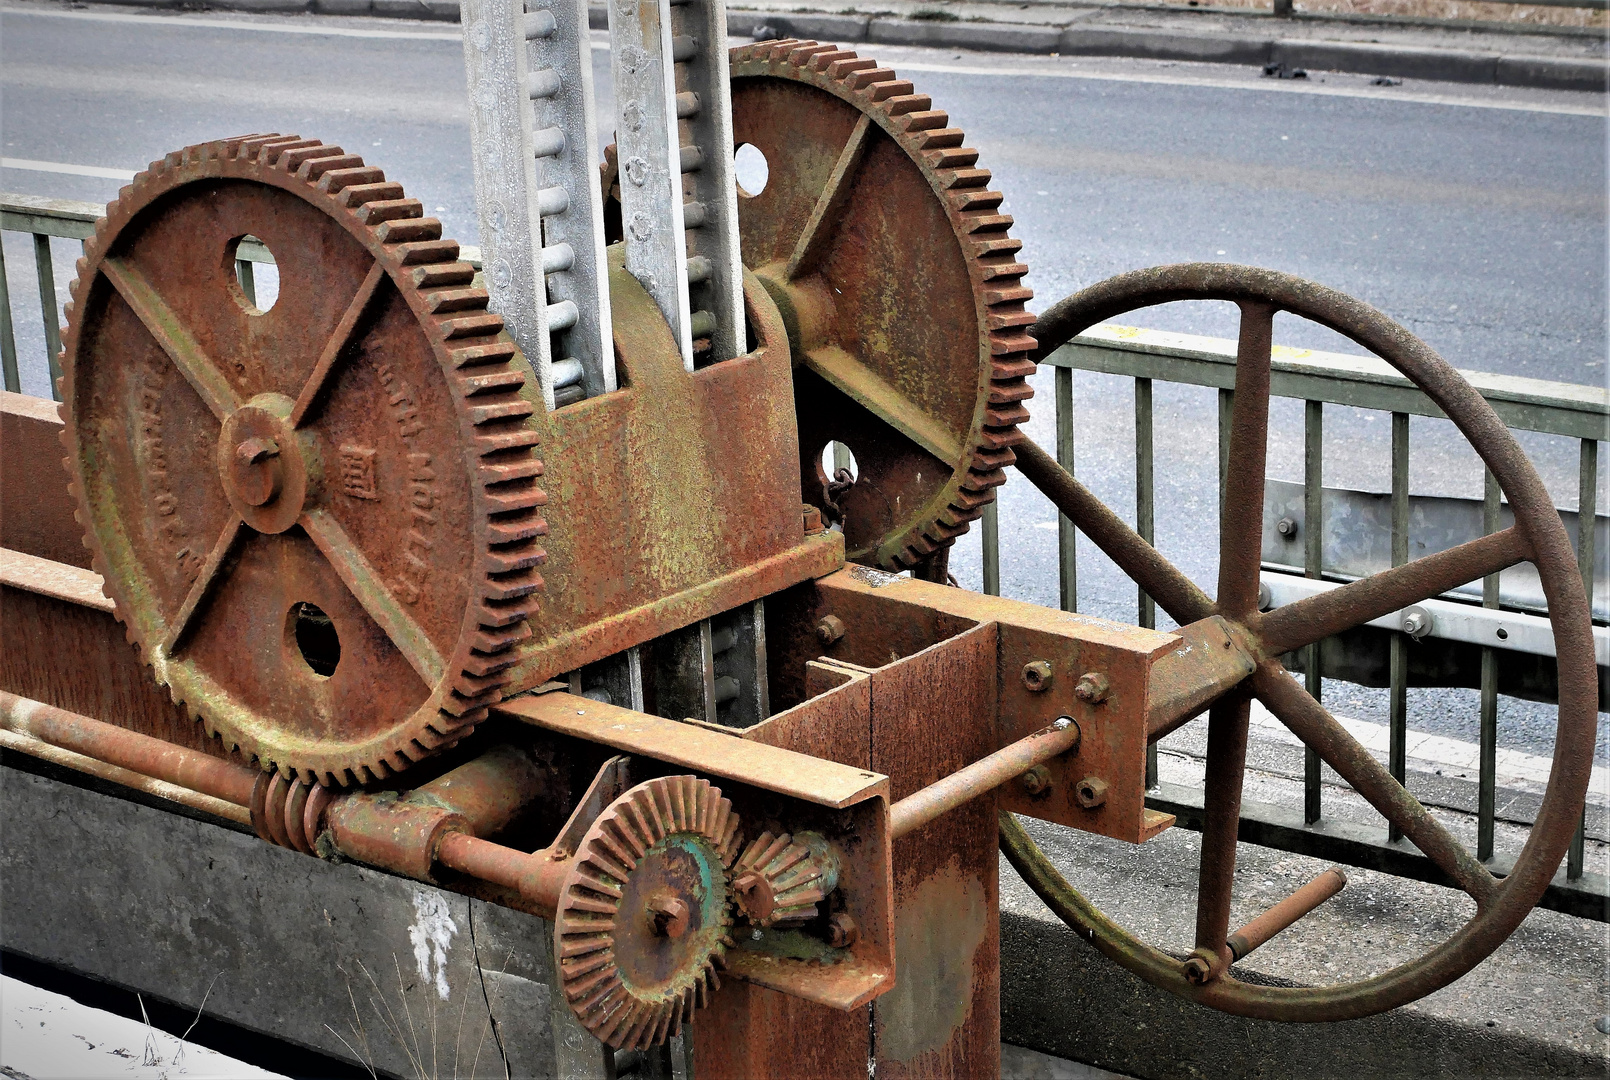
{"x":779,"y":880}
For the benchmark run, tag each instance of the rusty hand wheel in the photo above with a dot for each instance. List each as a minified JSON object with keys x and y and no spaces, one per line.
{"x":1538,"y":536}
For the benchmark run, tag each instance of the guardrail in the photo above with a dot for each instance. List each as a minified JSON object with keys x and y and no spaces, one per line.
{"x":1318,"y":379}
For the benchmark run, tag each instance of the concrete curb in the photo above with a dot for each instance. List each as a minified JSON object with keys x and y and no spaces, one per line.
{"x":1367,"y":58}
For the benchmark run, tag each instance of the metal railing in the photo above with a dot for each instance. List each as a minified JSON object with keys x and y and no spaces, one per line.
{"x":1577,"y":412}
{"x":1320,"y":379}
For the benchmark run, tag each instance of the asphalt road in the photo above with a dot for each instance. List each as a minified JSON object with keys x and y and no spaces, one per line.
{"x":1475,"y":215}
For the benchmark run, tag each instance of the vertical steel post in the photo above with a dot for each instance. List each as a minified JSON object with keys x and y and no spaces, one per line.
{"x":1587,"y":510}
{"x":247,"y":276}
{"x":1398,"y":710}
{"x":47,"y":307}
{"x":1313,"y":563}
{"x":1487,"y":792}
{"x":8,"y":340}
{"x":991,"y":530}
{"x":1067,"y":536}
{"x":1145,"y":522}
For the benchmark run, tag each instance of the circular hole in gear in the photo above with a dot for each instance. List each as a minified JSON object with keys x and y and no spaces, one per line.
{"x":836,"y":456}
{"x":316,"y":639}
{"x":750,"y":168}
{"x":255,"y":285}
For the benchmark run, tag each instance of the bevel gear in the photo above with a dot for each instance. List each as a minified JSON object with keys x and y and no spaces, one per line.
{"x":319,"y":523}
{"x":643,"y":916}
{"x":778,"y":880}
{"x":873,"y":209}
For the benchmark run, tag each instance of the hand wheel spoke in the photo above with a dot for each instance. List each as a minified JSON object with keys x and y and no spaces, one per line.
{"x":1317,"y":617}
{"x":212,"y":571}
{"x":360,"y":576}
{"x":337,"y":344}
{"x":169,"y":331}
{"x":1241,"y":511}
{"x":1226,"y":768}
{"x":1174,"y":592}
{"x":1313,"y":724}
{"x":818,"y":233}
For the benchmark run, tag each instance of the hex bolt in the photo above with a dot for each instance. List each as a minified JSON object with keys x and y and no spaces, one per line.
{"x":670,"y":915}
{"x":810,"y":516}
{"x":1092,"y":688}
{"x":842,"y":931}
{"x":1090,"y":792}
{"x":1266,"y":596}
{"x":1037,"y":676}
{"x":1037,"y":781}
{"x":1286,"y":527}
{"x":830,"y":629}
{"x":1417,"y":622}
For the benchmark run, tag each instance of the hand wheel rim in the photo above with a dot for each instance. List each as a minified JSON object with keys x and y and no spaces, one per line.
{"x":1510,"y":899}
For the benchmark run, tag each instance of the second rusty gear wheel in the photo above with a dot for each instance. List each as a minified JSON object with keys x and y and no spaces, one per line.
{"x":319,"y":522}
{"x":879,"y":239}
{"x":779,"y":880}
{"x":888,"y":256}
{"x":643,"y":917}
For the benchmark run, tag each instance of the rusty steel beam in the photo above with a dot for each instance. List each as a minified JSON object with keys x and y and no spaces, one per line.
{"x":982,"y":776}
{"x":140,"y":754}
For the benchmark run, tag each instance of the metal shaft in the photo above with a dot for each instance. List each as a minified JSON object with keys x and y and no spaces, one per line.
{"x":1287,"y":912}
{"x":982,"y":776}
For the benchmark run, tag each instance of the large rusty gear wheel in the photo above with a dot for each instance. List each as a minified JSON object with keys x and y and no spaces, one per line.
{"x":318,"y":522}
{"x":904,"y":304}
{"x":892,"y":263}
{"x":643,"y":916}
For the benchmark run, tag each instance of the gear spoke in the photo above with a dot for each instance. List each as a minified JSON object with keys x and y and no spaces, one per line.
{"x":1241,"y":510}
{"x":1174,"y":592}
{"x":812,"y":243}
{"x":870,"y":389}
{"x":165,"y":327}
{"x":211,"y":573}
{"x":1317,"y":617}
{"x":1314,"y":725}
{"x":340,"y":338}
{"x":364,"y":581}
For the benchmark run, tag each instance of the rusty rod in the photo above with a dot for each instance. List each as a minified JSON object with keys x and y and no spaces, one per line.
{"x":195,"y":800}
{"x":1288,"y":911}
{"x":129,"y":750}
{"x":984,"y":775}
{"x":538,"y":876}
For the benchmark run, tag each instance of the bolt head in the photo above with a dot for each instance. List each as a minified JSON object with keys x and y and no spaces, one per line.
{"x":829,"y":629}
{"x":1037,"y":781}
{"x":1286,"y":527}
{"x":669,"y":914}
{"x":1037,"y":676}
{"x":1197,"y":970}
{"x":1090,"y":792}
{"x":842,"y":931}
{"x":1093,"y":688}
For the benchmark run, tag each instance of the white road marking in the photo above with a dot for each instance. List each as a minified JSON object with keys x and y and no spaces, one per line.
{"x":1019,"y":67}
{"x":65,"y":169}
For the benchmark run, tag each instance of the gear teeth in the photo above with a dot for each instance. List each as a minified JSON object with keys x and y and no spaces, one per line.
{"x":590,"y":908}
{"x":478,"y":357}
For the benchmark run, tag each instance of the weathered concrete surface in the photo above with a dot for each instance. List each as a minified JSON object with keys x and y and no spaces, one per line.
{"x":359,"y":965}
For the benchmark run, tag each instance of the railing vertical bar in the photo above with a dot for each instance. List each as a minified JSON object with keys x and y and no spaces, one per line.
{"x":1226,"y":403}
{"x":1067,"y":536}
{"x":248,"y":280}
{"x":47,"y":307}
{"x":1587,"y":509}
{"x":8,"y":340}
{"x":1398,"y":708}
{"x":1487,"y":792}
{"x":992,"y":548}
{"x":1313,"y":561}
{"x":1145,"y":523}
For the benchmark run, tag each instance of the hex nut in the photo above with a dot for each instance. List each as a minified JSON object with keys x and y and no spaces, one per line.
{"x":1090,"y":792}
{"x":1093,"y":688}
{"x":1037,"y":676}
{"x":811,"y":518}
{"x":1286,"y":527}
{"x":842,"y":931}
{"x":830,"y":629}
{"x":1037,"y":781}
